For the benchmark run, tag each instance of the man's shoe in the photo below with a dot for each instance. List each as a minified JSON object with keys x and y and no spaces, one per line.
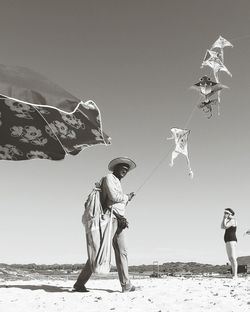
{"x":80,"y":289}
{"x":131,"y":288}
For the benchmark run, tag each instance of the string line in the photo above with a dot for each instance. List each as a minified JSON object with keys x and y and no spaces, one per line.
{"x":168,"y":151}
{"x":186,"y":125}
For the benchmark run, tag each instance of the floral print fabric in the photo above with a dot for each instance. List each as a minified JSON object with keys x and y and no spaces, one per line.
{"x":29,"y":131}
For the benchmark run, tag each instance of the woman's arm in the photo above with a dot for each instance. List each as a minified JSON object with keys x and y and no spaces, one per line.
{"x":227,"y":222}
{"x":222,"y":224}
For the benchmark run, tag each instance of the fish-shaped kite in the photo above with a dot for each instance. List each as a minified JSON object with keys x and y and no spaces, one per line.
{"x":208,"y":88}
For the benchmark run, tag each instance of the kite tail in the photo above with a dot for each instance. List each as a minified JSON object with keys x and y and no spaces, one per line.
{"x":216,"y":76}
{"x":190,"y":172}
{"x":222,"y":55}
{"x":218,"y":106}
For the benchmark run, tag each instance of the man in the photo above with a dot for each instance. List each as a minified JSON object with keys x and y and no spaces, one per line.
{"x":112,"y":196}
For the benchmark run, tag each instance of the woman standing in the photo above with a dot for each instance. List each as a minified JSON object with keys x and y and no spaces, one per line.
{"x":230,"y":225}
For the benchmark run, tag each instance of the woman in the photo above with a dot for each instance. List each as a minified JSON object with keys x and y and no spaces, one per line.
{"x":230,"y":225}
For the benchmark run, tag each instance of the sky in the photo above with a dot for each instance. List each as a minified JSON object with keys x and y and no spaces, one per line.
{"x":136,"y":59}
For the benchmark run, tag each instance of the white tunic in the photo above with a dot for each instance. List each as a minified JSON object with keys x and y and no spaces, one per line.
{"x":115,"y":198}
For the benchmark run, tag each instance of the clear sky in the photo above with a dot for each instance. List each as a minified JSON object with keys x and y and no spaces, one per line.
{"x":136,"y":59}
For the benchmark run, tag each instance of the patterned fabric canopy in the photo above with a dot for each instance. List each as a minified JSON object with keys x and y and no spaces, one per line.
{"x":44,"y":121}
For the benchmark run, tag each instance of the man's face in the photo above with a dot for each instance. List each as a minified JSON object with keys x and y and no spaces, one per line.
{"x":121,"y":170}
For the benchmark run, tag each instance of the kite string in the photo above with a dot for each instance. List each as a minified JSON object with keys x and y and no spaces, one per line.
{"x":186,"y":125}
{"x":153,"y":171}
{"x":169,"y":150}
{"x":165,"y":156}
{"x":192,"y":112}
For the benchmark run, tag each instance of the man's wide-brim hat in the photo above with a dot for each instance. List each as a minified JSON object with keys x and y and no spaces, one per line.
{"x":121,"y":160}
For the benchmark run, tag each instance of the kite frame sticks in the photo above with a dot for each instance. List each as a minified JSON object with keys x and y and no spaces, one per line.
{"x":216,"y":45}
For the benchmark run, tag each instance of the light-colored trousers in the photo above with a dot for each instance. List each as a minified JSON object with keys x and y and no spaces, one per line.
{"x":121,"y":258}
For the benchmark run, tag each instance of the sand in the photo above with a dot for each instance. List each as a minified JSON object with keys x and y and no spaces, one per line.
{"x":162,"y":294}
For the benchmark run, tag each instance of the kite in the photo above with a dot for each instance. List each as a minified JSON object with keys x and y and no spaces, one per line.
{"x":207,"y":107}
{"x":208,"y":89}
{"x":180,"y":137}
{"x":221,"y":43}
{"x":213,"y":60}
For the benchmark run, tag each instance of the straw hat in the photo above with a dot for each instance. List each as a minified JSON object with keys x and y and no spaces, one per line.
{"x":121,"y":160}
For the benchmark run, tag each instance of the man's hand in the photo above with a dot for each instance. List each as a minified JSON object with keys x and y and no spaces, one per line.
{"x":130,"y":196}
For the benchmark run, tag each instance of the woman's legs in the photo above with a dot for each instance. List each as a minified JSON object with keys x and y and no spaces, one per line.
{"x":231,"y":253}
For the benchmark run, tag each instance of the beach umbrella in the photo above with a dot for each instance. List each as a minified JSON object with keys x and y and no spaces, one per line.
{"x":39,"y":119}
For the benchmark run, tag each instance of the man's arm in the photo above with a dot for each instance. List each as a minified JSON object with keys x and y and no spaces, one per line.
{"x":112,"y":192}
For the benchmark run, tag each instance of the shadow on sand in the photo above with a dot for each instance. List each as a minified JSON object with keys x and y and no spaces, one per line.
{"x":47,"y":288}
{"x":107,"y":290}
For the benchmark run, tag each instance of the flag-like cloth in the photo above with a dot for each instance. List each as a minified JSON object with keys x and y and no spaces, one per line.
{"x":39,"y":119}
{"x":98,"y":228}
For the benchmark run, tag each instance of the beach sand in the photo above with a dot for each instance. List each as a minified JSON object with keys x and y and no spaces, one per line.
{"x":168,"y":294}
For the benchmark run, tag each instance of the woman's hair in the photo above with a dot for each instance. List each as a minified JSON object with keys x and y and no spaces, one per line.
{"x":230,"y":211}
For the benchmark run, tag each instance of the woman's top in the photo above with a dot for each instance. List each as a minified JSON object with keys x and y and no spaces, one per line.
{"x":230,"y":234}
